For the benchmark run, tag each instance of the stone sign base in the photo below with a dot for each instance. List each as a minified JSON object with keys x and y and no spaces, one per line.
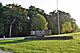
{"x":51,"y":38}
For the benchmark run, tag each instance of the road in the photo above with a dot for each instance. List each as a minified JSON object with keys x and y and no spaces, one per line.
{"x":1,"y":51}
{"x":12,"y":38}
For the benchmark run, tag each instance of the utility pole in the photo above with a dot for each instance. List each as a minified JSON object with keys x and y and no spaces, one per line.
{"x":58,"y":18}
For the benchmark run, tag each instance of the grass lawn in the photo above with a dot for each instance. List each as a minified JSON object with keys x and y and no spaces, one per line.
{"x":43,"y":46}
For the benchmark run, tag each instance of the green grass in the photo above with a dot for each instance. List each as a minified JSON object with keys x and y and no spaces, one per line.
{"x":43,"y":46}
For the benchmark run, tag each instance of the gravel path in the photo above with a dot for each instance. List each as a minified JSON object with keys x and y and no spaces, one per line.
{"x":1,"y":51}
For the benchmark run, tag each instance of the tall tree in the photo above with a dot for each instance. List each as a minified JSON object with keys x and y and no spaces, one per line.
{"x":64,"y":18}
{"x":1,"y":20}
{"x":16,"y":18}
{"x":37,"y":19}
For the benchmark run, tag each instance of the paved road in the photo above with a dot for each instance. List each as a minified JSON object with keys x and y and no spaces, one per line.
{"x":1,"y":51}
{"x":11,"y":38}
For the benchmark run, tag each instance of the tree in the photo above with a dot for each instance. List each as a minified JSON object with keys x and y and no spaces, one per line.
{"x":66,"y":27}
{"x":64,"y":18}
{"x":36,"y":16}
{"x":39,"y":23}
{"x":2,"y":24}
{"x":16,"y":18}
{"x":52,"y":21}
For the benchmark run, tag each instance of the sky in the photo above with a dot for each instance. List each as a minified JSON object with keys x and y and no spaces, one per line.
{"x":69,"y":6}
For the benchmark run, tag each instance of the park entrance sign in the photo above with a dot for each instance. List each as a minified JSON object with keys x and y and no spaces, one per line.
{"x":41,"y":33}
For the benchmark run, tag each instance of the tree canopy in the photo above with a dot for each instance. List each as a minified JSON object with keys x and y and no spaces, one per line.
{"x":67,"y":23}
{"x":39,"y":23}
{"x":21,"y":20}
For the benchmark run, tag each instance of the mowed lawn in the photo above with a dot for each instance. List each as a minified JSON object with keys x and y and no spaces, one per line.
{"x":42,"y":46}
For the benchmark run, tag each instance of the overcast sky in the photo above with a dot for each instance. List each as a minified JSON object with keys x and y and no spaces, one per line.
{"x":70,"y":6}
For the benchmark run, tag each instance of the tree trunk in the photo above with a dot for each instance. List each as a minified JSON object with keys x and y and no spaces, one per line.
{"x":10,"y":30}
{"x":11,"y":27}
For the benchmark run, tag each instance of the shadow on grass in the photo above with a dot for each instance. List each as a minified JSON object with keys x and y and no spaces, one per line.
{"x":13,"y":41}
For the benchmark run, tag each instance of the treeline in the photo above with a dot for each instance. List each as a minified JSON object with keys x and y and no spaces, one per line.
{"x":16,"y":20}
